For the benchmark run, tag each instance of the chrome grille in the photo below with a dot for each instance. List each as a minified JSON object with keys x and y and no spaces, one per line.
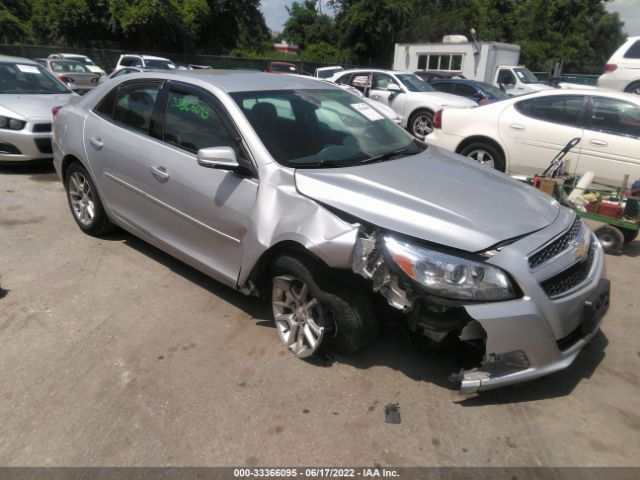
{"x":571,"y":277}
{"x":557,"y":246}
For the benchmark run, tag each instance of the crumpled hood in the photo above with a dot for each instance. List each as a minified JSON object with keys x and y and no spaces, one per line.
{"x":437,"y":196}
{"x":446,"y":99}
{"x":32,"y":106}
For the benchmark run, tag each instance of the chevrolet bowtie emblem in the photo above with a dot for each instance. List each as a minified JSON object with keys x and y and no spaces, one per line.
{"x":581,"y":251}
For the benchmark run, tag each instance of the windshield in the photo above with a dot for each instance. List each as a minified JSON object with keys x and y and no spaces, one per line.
{"x":321,"y":128}
{"x":330,"y":72}
{"x":493,"y":91}
{"x":28,"y":79}
{"x":414,"y":83}
{"x":525,"y":75}
{"x":68,"y":66}
{"x":162,"y":64}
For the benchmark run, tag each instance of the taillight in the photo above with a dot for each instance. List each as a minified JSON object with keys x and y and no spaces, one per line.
{"x":65,"y":79}
{"x":610,"y":67}
{"x":437,"y":119}
{"x":55,"y":110}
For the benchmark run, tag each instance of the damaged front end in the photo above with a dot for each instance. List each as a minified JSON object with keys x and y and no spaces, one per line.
{"x":411,"y":277}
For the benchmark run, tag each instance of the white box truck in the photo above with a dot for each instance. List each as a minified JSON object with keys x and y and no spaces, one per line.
{"x":490,"y":62}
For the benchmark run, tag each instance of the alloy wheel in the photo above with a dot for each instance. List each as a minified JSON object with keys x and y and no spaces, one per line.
{"x":81,"y":198}
{"x":482,"y":157}
{"x":422,"y":125}
{"x":298,"y":315}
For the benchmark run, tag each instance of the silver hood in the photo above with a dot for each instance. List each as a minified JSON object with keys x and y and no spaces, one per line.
{"x":437,"y":196}
{"x":33,"y":106}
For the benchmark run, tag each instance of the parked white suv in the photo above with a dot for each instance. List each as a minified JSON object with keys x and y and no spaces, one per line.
{"x":622,"y":71}
{"x":414,"y":100}
{"x":144,"y":61}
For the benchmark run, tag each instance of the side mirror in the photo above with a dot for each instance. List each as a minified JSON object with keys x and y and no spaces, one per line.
{"x":392,"y":87}
{"x":222,"y":158}
{"x":501,"y":85}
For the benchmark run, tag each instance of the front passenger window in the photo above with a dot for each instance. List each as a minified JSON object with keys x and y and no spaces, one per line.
{"x":609,"y":115}
{"x":192,"y":123}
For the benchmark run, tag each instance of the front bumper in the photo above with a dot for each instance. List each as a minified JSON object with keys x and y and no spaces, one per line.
{"x":537,"y":334}
{"x":33,"y":142}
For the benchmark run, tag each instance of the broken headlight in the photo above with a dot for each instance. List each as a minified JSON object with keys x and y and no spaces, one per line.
{"x":447,"y":275}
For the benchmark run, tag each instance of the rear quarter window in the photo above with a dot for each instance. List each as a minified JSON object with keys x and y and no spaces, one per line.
{"x":633,"y":51}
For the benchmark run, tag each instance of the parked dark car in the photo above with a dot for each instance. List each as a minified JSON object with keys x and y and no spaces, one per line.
{"x":481,"y":92}
{"x":430,"y":76}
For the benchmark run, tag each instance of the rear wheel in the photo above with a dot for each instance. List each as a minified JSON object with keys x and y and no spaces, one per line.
{"x":633,"y":88}
{"x":629,"y":234}
{"x":313,"y":310}
{"x":610,"y":237}
{"x":420,"y":123}
{"x":84,"y":202}
{"x":485,"y":154}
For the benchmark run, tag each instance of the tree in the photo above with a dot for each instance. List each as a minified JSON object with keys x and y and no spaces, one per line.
{"x":306,"y":26}
{"x":14,"y":21}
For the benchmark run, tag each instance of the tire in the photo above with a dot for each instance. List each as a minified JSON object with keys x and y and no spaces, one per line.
{"x":633,"y":88}
{"x":610,"y":237}
{"x":84,"y":201}
{"x":485,"y":154}
{"x":343,"y":308}
{"x":628,"y":234}
{"x":420,"y":123}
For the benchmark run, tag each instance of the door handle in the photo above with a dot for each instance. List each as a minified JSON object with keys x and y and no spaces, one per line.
{"x":96,"y":142}
{"x":517,"y":126}
{"x":375,"y":97}
{"x":160,"y":173}
{"x":598,"y":143}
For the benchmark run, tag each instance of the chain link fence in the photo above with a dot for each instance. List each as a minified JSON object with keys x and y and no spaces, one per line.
{"x":107,"y":58}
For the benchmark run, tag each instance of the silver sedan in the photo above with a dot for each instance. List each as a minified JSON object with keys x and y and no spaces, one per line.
{"x":28,"y":93}
{"x":301,"y":193}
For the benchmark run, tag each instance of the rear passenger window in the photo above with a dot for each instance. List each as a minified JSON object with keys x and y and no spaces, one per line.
{"x":616,"y":117}
{"x":192,"y":123}
{"x":465,"y":90}
{"x":634,"y":51}
{"x":134,"y":105}
{"x":556,"y":109}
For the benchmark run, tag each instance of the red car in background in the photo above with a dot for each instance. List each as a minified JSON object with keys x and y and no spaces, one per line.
{"x":281,"y":67}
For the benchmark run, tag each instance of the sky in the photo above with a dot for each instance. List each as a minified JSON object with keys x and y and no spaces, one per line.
{"x":629,"y":11}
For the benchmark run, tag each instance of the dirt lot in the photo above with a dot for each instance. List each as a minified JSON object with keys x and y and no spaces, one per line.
{"x":113,"y":353}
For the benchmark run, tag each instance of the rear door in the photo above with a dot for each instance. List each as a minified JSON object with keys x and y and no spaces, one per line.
{"x":534,"y":130}
{"x":119,"y":144}
{"x":611,"y":145}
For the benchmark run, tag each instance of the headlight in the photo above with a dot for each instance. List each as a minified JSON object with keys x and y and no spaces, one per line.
{"x":449,"y":276}
{"x":12,"y":123}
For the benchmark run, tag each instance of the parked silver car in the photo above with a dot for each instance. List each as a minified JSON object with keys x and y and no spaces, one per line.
{"x":75,"y":75}
{"x":27,"y":94}
{"x":278,"y":186}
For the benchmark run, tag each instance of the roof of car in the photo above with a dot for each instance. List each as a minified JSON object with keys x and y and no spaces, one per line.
{"x":7,"y":58}
{"x":144,"y":57}
{"x":74,"y":55}
{"x":374,"y":70}
{"x":241,"y":80}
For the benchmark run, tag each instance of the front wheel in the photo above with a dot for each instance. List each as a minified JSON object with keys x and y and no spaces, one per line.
{"x":610,"y":237}
{"x":421,"y":124}
{"x":312,"y":310}
{"x":485,"y":154}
